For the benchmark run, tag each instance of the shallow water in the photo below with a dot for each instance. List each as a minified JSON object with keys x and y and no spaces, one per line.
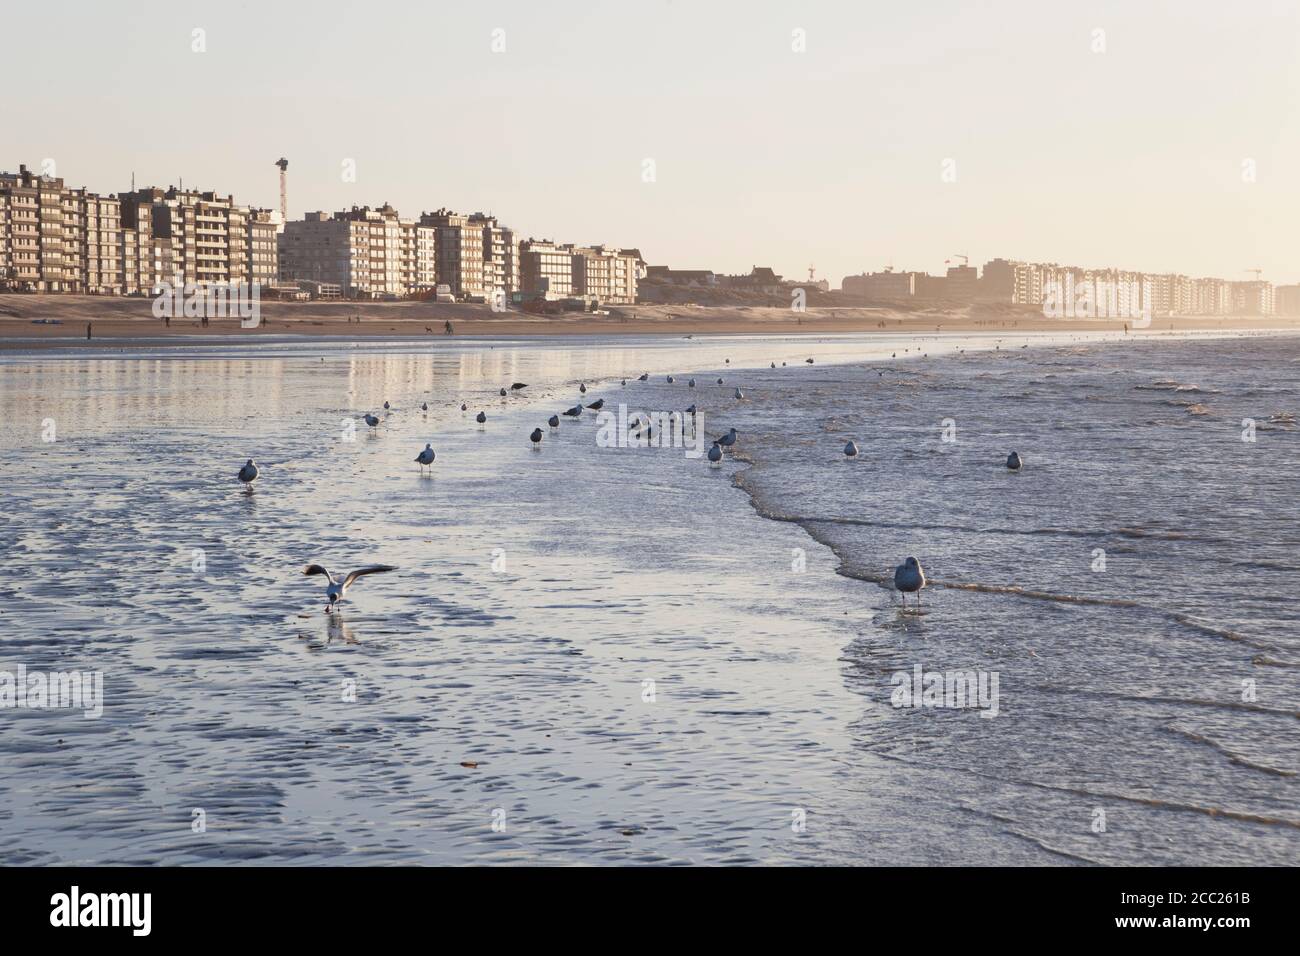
{"x":538,"y":593}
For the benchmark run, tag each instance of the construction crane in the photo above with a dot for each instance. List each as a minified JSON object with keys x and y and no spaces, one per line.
{"x":1258,"y":272}
{"x":812,"y":273}
{"x":284,"y":194}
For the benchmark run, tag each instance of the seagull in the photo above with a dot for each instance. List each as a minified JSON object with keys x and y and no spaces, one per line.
{"x":739,"y":393}
{"x":582,"y":387}
{"x":518,"y":385}
{"x":574,"y":412}
{"x":1014,"y":461}
{"x":728,"y":361}
{"x":464,"y":407}
{"x":715,"y":454}
{"x":424,"y":406}
{"x":536,"y":438}
{"x":481,"y":417}
{"x":691,"y":410}
{"x":371,"y":420}
{"x":691,"y":383}
{"x":719,"y":381}
{"x":385,"y":406}
{"x":773,"y":365}
{"x":597,"y":405}
{"x":851,"y":450}
{"x":643,"y":377}
{"x":425,"y":457}
{"x":248,"y":474}
{"x":808,"y":360}
{"x":503,"y":393}
{"x":337,"y":588}
{"x":554,"y":421}
{"x":909,"y":578}
{"x":670,"y":379}
{"x":727,"y":440}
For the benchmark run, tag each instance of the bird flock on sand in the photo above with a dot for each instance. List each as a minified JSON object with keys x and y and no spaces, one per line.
{"x":909,"y":577}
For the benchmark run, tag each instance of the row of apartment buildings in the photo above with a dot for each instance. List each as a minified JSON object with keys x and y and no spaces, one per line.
{"x":54,"y":238}
{"x":375,"y":253}
{"x":1031,"y":283}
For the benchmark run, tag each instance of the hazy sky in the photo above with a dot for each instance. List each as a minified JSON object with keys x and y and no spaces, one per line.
{"x":1132,"y":157}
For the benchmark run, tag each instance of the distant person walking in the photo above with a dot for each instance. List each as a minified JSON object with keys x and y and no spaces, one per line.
{"x":88,"y":331}
{"x":449,"y":329}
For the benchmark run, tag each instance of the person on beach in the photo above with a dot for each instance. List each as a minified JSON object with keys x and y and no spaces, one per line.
{"x":449,"y":332}
{"x":88,"y":324}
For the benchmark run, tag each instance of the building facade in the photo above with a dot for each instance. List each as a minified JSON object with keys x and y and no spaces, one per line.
{"x":368,"y":253}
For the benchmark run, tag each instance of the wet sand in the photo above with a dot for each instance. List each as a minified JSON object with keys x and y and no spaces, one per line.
{"x":27,"y":321}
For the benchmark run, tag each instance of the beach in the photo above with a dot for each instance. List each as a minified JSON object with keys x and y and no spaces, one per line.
{"x":601,"y":655}
{"x":48,"y":321}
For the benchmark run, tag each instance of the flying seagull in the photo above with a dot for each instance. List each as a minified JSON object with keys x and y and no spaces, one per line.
{"x":909,"y":579}
{"x":851,"y":450}
{"x":536,"y":438}
{"x":425,"y":457}
{"x":1014,"y":461}
{"x":337,"y":588}
{"x":248,"y":474}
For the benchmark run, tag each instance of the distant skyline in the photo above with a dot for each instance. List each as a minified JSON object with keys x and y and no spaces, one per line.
{"x":1135,"y":157}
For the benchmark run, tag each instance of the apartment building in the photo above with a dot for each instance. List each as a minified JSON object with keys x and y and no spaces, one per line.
{"x":500,"y":254}
{"x":1286,"y":300}
{"x":366,"y":252}
{"x":197,"y":238}
{"x":609,"y":275}
{"x":263,"y":265}
{"x":545,"y":269}
{"x":101,"y":242}
{"x":460,"y":252}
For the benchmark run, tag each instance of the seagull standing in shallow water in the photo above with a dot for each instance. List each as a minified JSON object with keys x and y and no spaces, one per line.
{"x":851,"y":450}
{"x":1014,"y":461}
{"x":909,"y":579}
{"x":425,"y":457}
{"x":248,"y":474}
{"x":372,"y":420}
{"x":536,"y":438}
{"x":553,"y":421}
{"x":337,"y":588}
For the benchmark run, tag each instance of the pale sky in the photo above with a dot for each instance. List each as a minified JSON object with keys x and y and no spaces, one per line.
{"x":1132,"y":157}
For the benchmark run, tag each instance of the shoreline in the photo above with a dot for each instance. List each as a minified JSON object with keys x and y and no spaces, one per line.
{"x":38,"y":323}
